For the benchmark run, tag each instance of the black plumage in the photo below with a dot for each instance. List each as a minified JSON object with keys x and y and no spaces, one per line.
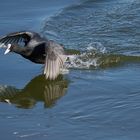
{"x":37,"y":49}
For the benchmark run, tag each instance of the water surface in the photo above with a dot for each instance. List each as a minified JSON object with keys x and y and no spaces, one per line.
{"x":99,"y":98}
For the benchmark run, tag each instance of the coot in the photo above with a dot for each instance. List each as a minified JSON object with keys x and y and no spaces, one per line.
{"x":37,"y":49}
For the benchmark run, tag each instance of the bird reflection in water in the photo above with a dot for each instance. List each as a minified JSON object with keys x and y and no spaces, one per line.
{"x":37,"y":90}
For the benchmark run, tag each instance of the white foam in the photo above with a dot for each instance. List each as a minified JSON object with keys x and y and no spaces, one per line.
{"x":89,"y":58}
{"x":96,"y":46}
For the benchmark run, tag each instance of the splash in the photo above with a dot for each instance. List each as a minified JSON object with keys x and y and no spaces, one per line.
{"x":88,"y":58}
{"x":96,"y":56}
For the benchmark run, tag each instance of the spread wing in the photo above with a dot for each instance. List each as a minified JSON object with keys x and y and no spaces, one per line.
{"x":20,"y":38}
{"x":55,"y":60}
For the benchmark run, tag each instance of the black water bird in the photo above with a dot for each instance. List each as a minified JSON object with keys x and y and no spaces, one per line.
{"x":37,"y":49}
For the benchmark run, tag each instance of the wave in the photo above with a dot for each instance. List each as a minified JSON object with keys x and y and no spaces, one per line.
{"x":96,"y":56}
{"x":114,"y":24}
{"x":105,"y":32}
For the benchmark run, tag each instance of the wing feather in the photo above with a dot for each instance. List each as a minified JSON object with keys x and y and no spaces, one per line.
{"x":55,"y":60}
{"x":17,"y":37}
{"x":52,"y":67}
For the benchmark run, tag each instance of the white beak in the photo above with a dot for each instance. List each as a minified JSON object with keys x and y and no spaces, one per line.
{"x":8,"y":49}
